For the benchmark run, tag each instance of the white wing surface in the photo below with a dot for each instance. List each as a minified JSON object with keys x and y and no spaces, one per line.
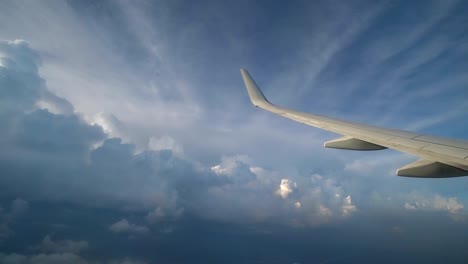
{"x":440,"y":157}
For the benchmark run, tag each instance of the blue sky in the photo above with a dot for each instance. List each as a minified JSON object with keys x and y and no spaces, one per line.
{"x":128,"y":137}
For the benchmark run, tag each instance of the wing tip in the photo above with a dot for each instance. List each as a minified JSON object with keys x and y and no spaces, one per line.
{"x":255,"y":94}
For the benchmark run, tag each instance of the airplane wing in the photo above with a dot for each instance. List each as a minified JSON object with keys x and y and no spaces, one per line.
{"x":440,"y":157}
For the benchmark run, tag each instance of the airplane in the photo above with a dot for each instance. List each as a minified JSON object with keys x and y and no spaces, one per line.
{"x":439,"y":157}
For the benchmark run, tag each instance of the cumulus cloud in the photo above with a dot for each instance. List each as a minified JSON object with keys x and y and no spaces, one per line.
{"x":348,"y":207}
{"x":320,"y":199}
{"x":55,"y":104}
{"x":235,"y":167}
{"x":324,"y":211}
{"x":20,"y":85}
{"x":56,"y":154}
{"x":109,"y":123}
{"x":123,"y":226}
{"x":165,"y":143}
{"x":435,"y":203}
{"x":285,"y":188}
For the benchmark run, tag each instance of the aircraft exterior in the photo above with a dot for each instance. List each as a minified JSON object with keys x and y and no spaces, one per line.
{"x":440,"y":157}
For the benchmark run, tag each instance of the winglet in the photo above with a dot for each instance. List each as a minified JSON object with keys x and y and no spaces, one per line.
{"x":255,"y":94}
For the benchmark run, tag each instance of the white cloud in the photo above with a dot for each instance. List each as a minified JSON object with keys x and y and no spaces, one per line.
{"x":111,"y":125}
{"x":165,"y":143}
{"x":324,"y":211}
{"x":297,"y":205}
{"x":348,"y":207}
{"x":449,"y":204}
{"x":319,"y":200}
{"x":123,"y":226}
{"x":322,"y":200}
{"x":286,"y":187}
{"x":412,"y":206}
{"x":55,"y":104}
{"x":435,"y":203}
{"x":229,"y":164}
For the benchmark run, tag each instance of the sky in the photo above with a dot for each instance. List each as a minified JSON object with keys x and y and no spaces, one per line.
{"x":127,"y":135}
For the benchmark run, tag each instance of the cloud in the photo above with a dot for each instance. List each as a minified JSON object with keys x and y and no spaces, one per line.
{"x":57,"y":154}
{"x":297,"y":204}
{"x":62,"y":246}
{"x":322,"y":200}
{"x":130,"y":125}
{"x":55,"y":104}
{"x":165,"y":143}
{"x":123,"y":226}
{"x":286,"y":187}
{"x":60,"y":251}
{"x":20,"y":70}
{"x":90,"y":159}
{"x":306,"y":201}
{"x":18,"y":208}
{"x":434,"y":203}
{"x":233,"y":166}
{"x":165,"y":211}
{"x":348,"y":207}
{"x":324,"y":211}
{"x":60,"y":258}
{"x":127,"y":261}
{"x":110,"y":124}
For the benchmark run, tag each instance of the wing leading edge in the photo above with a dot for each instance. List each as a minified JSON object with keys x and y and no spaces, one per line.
{"x":440,"y":157}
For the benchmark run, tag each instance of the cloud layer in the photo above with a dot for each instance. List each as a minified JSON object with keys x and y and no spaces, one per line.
{"x":62,"y":157}
{"x":127,"y":135}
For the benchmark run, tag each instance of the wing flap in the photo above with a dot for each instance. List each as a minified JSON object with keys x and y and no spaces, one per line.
{"x":447,"y":150}
{"x":407,"y":142}
{"x":443,"y":141}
